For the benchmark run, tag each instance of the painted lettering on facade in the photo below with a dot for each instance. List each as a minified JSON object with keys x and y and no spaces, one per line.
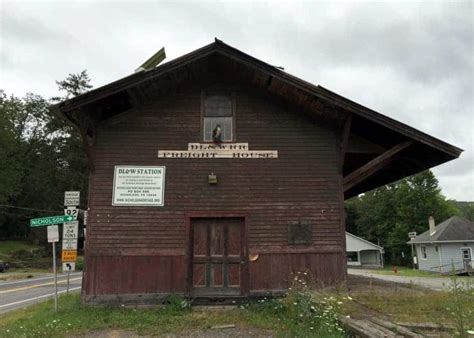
{"x":228,"y":150}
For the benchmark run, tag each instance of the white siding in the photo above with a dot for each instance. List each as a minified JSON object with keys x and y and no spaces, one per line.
{"x":442,"y":260}
{"x":451,"y":254}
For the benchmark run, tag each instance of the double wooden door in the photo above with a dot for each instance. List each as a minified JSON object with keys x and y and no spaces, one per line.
{"x":217,"y":261}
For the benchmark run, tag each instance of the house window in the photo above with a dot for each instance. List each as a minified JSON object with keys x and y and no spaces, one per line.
{"x":466,"y":253}
{"x":423,"y":252}
{"x":352,"y":256}
{"x":218,"y":118}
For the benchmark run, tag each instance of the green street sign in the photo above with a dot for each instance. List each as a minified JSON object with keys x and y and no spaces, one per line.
{"x":38,"y":222}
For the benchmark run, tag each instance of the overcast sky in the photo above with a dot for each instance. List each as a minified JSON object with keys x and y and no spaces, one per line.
{"x":410,"y":61}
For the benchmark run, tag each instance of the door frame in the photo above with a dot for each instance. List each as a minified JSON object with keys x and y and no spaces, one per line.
{"x":189,"y":216}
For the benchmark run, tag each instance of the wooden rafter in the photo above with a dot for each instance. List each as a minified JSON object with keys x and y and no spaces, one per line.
{"x":372,"y":166}
{"x":346,"y":131}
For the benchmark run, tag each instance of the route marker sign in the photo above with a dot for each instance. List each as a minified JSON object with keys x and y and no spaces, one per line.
{"x":71,"y":198}
{"x":73,"y":211}
{"x":38,"y":222}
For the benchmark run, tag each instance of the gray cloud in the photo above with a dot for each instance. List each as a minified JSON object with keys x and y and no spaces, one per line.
{"x":410,"y":61}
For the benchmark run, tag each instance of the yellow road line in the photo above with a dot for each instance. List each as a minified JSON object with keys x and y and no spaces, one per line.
{"x":38,"y":285}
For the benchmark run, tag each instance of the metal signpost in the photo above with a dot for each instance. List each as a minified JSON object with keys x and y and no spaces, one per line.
{"x":53,"y":237}
{"x":412,"y":235}
{"x":70,"y":233}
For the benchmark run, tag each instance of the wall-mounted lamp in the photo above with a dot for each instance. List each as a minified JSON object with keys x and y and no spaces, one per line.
{"x":212,"y":178}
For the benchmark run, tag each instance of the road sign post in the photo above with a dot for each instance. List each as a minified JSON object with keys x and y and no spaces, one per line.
{"x":412,"y":235}
{"x":70,"y":233}
{"x":53,"y":237}
{"x":55,"y":279}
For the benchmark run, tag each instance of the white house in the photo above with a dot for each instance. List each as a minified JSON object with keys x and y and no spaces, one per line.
{"x":446,"y":246}
{"x":363,"y":253}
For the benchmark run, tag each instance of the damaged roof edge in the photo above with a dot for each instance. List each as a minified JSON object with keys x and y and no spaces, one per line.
{"x":232,"y":52}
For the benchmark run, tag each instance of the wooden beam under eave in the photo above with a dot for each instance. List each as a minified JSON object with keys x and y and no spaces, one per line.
{"x":372,"y":166}
{"x":346,"y":131}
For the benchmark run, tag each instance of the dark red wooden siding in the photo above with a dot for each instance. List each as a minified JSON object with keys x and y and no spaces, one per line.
{"x":142,"y":249}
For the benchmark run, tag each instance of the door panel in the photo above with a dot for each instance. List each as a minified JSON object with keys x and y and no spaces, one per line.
{"x":218,"y":260}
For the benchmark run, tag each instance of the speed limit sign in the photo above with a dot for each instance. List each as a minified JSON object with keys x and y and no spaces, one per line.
{"x":72,"y":211}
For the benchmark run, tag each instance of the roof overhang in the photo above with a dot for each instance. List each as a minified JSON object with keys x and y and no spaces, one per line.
{"x":441,"y":242}
{"x":397,"y":148}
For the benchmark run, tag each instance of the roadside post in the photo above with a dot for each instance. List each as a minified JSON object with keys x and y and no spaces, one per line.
{"x":53,"y":237}
{"x":412,"y":235}
{"x":70,"y":233}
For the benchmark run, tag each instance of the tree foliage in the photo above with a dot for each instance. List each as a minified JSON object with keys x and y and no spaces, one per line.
{"x":40,"y":157}
{"x":386,"y":215}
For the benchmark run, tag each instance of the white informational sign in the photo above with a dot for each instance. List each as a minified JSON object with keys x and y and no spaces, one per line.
{"x":412,"y":234}
{"x":138,"y":186}
{"x":222,"y":150}
{"x":72,"y":211}
{"x":53,"y":233}
{"x":86,"y":216}
{"x":69,"y":266}
{"x":71,"y":198}
{"x":70,"y":234}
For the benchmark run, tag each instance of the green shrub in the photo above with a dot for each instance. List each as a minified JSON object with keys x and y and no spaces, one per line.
{"x":302,"y":312}
{"x":461,"y":306}
{"x":80,"y":263}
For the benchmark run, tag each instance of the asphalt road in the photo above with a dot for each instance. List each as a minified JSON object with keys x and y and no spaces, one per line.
{"x":22,"y":293}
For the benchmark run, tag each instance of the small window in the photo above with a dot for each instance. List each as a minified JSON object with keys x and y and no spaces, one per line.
{"x":218,"y":118}
{"x":466,"y":253}
{"x":423,"y":252}
{"x":299,"y":232}
{"x":352,"y":256}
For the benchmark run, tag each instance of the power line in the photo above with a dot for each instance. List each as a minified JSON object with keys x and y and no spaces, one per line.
{"x":24,"y":208}
{"x":10,"y":213}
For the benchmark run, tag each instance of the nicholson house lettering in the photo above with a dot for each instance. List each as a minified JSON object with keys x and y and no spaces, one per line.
{"x":217,"y":175}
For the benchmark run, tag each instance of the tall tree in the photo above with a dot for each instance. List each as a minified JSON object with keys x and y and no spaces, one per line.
{"x":40,"y":157}
{"x":386,"y":215}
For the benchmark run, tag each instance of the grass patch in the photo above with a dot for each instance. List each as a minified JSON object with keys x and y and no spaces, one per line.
{"x":417,"y":305}
{"x":74,"y":318}
{"x":7,"y":248}
{"x":22,"y":273}
{"x":26,"y":260}
{"x":299,"y":314}
{"x":405,"y":271}
{"x":404,"y":305}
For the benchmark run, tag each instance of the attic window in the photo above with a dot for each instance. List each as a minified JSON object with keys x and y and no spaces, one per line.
{"x":218,"y":118}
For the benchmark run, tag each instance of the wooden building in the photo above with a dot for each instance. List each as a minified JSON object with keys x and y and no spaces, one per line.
{"x":219,"y":175}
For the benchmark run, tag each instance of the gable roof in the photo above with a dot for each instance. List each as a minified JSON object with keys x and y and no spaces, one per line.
{"x":423,"y":152}
{"x":454,"y":229}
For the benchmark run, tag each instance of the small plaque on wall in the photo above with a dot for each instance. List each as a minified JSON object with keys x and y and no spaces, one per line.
{"x":299,"y":232}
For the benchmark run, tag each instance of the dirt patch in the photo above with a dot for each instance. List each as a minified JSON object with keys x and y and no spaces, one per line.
{"x":234,"y":332}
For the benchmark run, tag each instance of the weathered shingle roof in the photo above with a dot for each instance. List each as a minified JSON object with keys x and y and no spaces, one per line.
{"x":453,"y":229}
